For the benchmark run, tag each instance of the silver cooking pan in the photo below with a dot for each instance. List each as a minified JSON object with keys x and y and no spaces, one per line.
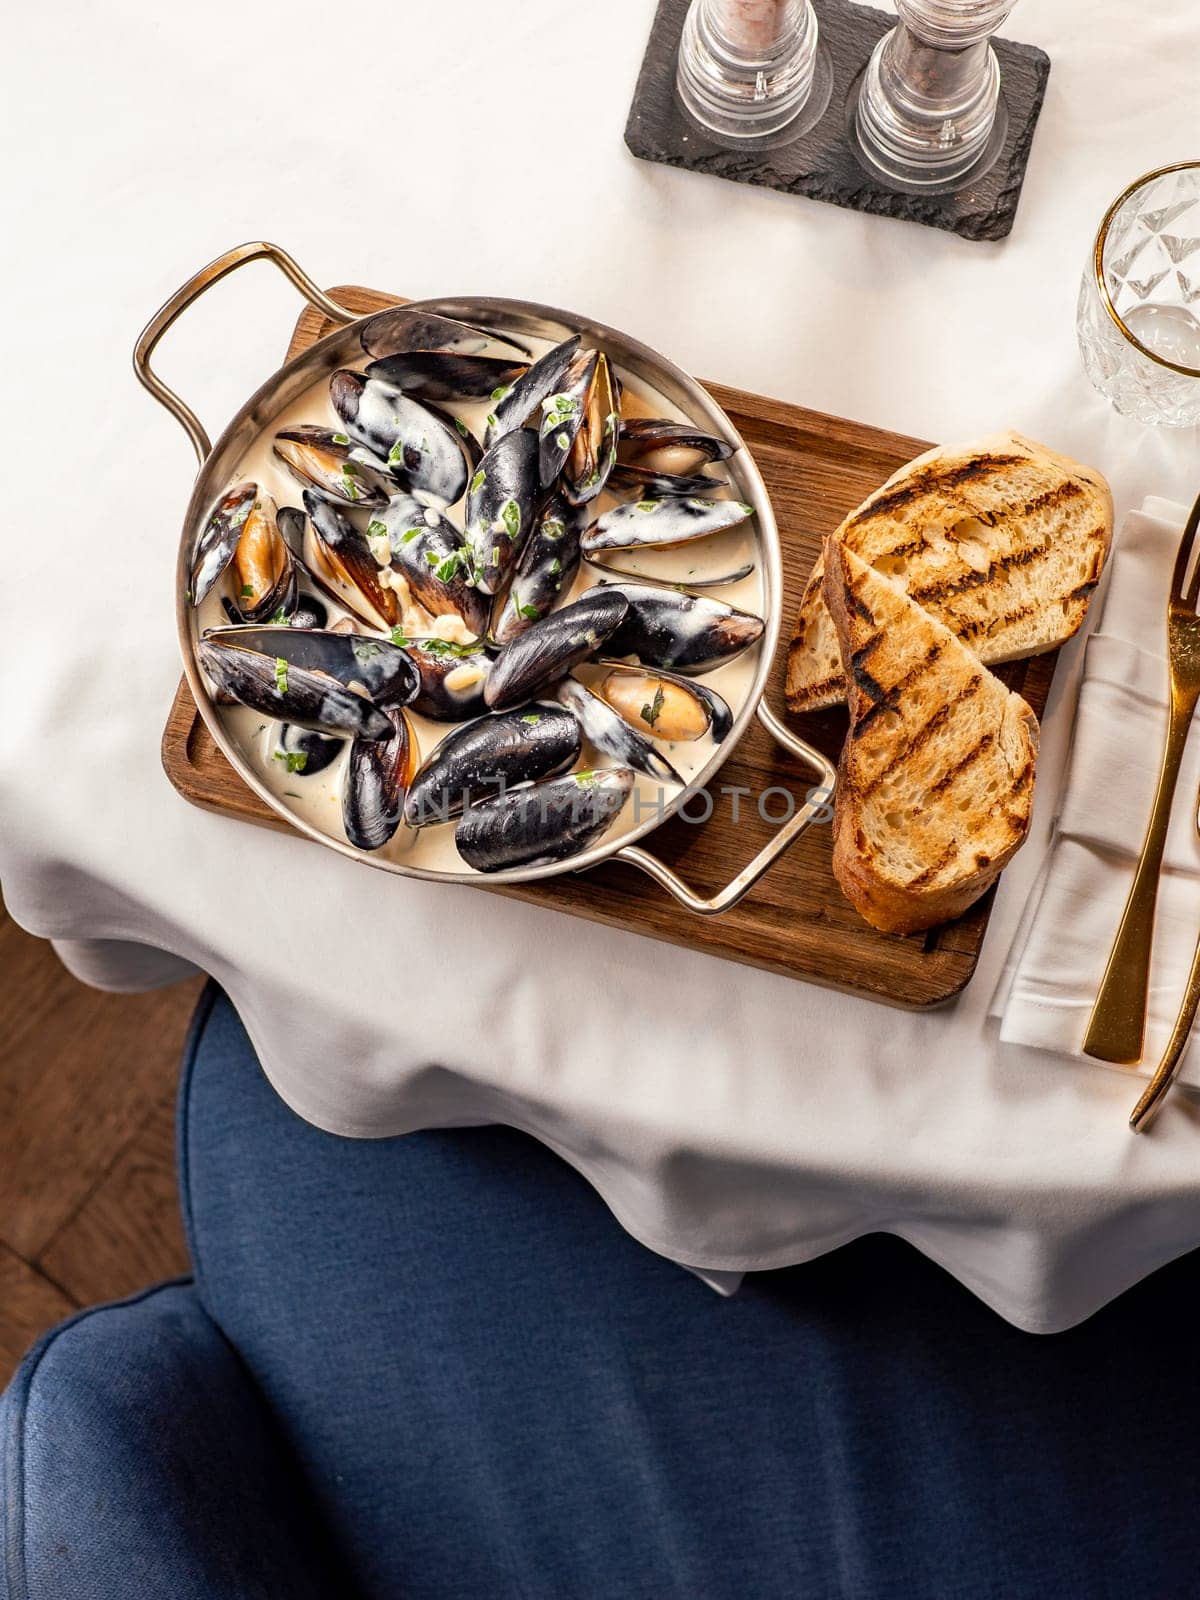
{"x":340,"y":348}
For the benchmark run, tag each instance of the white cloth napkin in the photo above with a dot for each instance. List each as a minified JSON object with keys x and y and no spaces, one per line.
{"x":1054,"y":968}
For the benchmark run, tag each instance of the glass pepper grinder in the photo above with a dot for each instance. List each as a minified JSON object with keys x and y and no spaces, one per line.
{"x":927,"y":113}
{"x":746,"y":68}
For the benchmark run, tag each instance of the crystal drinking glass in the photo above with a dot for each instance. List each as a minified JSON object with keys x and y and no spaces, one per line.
{"x":1139,"y":302}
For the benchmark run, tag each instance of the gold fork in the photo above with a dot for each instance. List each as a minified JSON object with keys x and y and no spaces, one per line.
{"x":1117,"y":1027}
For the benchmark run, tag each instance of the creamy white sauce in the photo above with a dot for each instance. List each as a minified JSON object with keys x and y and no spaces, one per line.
{"x":316,"y":799}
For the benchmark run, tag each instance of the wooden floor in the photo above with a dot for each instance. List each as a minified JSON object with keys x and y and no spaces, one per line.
{"x":87,"y":1163}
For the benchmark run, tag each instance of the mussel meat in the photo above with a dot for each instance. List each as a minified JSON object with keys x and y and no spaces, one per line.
{"x":513,"y":406}
{"x":340,"y":558}
{"x":303,"y":753}
{"x":272,"y":685}
{"x":265,"y":576}
{"x":219,"y":538}
{"x":377,"y":778}
{"x":489,"y":757}
{"x":545,"y":823}
{"x":672,"y":447}
{"x":332,"y":465}
{"x":381,"y":669}
{"x":502,"y":502}
{"x":688,"y":633}
{"x":664,"y":704}
{"x":419,"y":450}
{"x":447,"y":374}
{"x":662,"y":523}
{"x":594,"y":448}
{"x":547,"y":650}
{"x":452,"y":678}
{"x":546,"y":569}
{"x":430,"y":554}
{"x":611,"y":734}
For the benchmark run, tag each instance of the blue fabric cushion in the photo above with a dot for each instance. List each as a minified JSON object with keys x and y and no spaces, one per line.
{"x":494,"y":1392}
{"x":138,"y":1463}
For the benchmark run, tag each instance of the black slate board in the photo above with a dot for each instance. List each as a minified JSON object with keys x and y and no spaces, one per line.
{"x":821,"y":163}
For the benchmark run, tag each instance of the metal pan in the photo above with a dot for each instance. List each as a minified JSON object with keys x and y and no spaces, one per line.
{"x":341,"y":347}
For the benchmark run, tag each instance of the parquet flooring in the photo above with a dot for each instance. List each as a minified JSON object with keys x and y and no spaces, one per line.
{"x":87,"y":1162}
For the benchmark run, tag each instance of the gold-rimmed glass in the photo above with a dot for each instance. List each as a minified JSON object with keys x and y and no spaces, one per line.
{"x":1138,"y":318}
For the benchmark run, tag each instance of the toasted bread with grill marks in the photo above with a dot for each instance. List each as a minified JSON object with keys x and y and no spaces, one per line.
{"x":935,"y":781}
{"x":1003,"y":541}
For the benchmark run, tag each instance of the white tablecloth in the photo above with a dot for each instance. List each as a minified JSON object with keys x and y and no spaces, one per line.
{"x":475,"y":147}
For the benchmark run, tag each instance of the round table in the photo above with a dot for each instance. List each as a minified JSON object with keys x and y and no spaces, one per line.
{"x":756,"y":1121}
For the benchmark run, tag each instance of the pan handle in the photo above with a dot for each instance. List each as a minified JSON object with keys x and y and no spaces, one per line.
{"x":192,"y":290}
{"x":814,"y":809}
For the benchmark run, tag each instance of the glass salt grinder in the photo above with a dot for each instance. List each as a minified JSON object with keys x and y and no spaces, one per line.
{"x":750,"y":69}
{"x":929,"y":111}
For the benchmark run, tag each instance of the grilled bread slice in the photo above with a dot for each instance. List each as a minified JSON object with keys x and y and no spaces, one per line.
{"x":935,"y":782}
{"x":1003,"y":541}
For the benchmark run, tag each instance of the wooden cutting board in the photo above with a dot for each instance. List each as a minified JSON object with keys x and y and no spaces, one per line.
{"x":795,"y":921}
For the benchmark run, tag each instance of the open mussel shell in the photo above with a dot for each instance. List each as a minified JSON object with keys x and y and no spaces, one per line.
{"x":271,"y":685}
{"x":686,"y":633}
{"x":332,"y":465}
{"x":376,"y":782}
{"x":403,"y":329}
{"x":340,"y":559}
{"x":431,"y":556}
{"x":502,"y":502}
{"x":263,"y":570}
{"x":418,"y":449}
{"x":610,"y":733}
{"x":545,"y":377}
{"x":671,"y":447}
{"x":546,"y":570}
{"x":593,"y":451}
{"x":452,"y":676}
{"x":447,"y":374}
{"x":634,"y":692}
{"x":219,"y":538}
{"x":562,"y":415}
{"x":303,"y":753}
{"x":489,"y":757}
{"x":661,"y":524}
{"x":548,"y":649}
{"x":545,"y":823}
{"x":381,"y":668}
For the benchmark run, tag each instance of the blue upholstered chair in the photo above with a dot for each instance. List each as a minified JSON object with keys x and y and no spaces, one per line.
{"x":435,"y":1366}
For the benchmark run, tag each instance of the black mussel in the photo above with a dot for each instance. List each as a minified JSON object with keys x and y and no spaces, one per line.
{"x":502,"y":503}
{"x":270,"y":684}
{"x":266,"y":580}
{"x":562,"y":415}
{"x":490,"y":757}
{"x":664,"y":704}
{"x":548,"y":649}
{"x":377,"y":666}
{"x":470,"y":444}
{"x":376,"y":781}
{"x":517,"y":404}
{"x":452,"y":678}
{"x":447,"y":374}
{"x":219,"y":538}
{"x":594,"y":448}
{"x":333,"y":465}
{"x":403,"y":328}
{"x":545,"y":823}
{"x":546,"y":569}
{"x":665,"y":446}
{"x":339,"y":558}
{"x":303,"y":753}
{"x":429,"y":553}
{"x":688,"y":633}
{"x":609,"y":732}
{"x":660,"y":524}
{"x":648,"y":484}
{"x":420,"y":450}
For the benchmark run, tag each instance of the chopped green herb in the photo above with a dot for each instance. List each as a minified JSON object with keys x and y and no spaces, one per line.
{"x":409,"y":535}
{"x":532,"y":717}
{"x":376,"y":529}
{"x":530,"y":613}
{"x":365,"y":649}
{"x":280,"y":616}
{"x":398,"y":636}
{"x":478,"y":481}
{"x":247,"y":590}
{"x":498,"y":394}
{"x":552,"y":529}
{"x":510,"y":515}
{"x":563,"y":442}
{"x":293,"y":760}
{"x":448,"y":568}
{"x":555,"y":567}
{"x":349,"y":486}
{"x":396,"y":454}
{"x":492,"y":419}
{"x":462,"y":427}
{"x":647,"y":506}
{"x":653,"y":711}
{"x":281,"y":672}
{"x":341,"y":438}
{"x":495,"y":555}
{"x":745,"y":509}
